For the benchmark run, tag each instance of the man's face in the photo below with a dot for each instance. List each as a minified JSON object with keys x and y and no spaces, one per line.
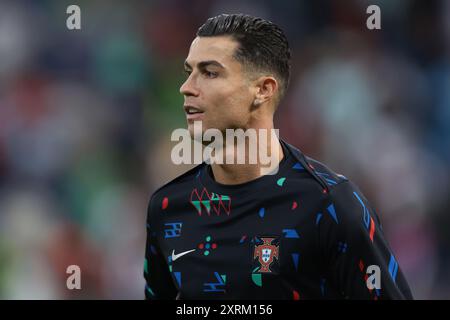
{"x":217,"y":85}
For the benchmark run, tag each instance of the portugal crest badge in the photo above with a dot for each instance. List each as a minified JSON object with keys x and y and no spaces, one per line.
{"x":266,"y":254}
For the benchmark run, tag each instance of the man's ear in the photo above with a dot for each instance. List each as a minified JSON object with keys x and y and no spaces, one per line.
{"x":266,"y":88}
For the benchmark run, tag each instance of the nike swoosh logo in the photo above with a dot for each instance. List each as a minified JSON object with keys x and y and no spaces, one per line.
{"x":176,"y":256}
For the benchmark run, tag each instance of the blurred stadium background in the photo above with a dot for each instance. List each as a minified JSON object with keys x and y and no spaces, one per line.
{"x":86,"y":118}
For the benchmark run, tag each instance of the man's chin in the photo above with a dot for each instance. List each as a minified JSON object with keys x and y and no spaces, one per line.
{"x":197,"y":134}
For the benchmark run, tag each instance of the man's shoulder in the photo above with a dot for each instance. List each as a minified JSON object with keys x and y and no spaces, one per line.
{"x":343,"y":201}
{"x":325,"y":173}
{"x":316,"y":170}
{"x":186,"y":177}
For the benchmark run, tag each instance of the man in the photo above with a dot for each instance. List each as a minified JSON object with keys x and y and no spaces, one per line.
{"x":228,"y":231}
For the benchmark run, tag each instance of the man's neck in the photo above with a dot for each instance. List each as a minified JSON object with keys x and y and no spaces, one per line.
{"x":230,"y":174}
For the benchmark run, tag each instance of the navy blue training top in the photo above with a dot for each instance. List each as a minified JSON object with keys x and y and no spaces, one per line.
{"x":304,"y":233}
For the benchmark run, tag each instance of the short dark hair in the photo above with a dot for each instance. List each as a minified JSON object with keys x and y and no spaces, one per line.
{"x":262,"y":44}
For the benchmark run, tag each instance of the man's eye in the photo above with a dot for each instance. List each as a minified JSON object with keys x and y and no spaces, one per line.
{"x":210,"y":74}
{"x":187,"y":72}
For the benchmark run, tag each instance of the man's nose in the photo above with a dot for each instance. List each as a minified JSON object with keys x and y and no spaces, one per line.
{"x":188,"y":88}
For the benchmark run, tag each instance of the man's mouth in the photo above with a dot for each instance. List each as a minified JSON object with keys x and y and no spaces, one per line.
{"x":193,"y":113}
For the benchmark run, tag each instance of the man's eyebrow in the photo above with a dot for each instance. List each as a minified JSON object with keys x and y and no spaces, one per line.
{"x":204,"y":64}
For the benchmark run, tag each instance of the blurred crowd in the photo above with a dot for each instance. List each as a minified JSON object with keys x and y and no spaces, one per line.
{"x":86,"y":117}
